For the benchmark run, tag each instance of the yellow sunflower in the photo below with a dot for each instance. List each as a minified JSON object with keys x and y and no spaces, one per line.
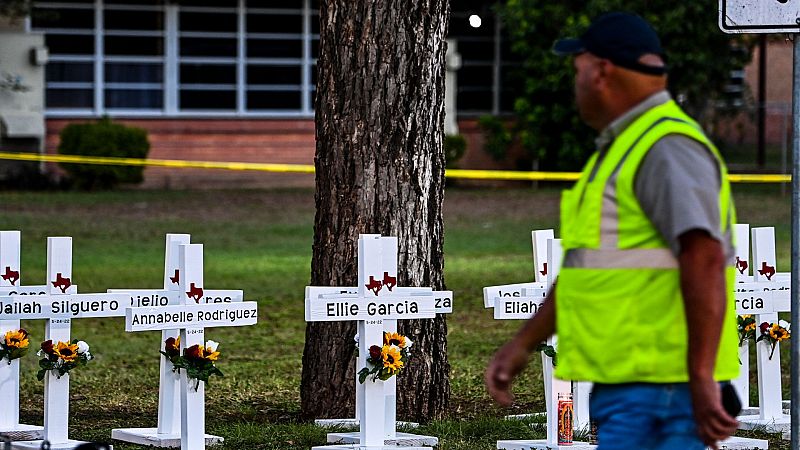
{"x":394,"y":339}
{"x":750,"y":327}
{"x":67,"y":352}
{"x":391,"y":358}
{"x":778,"y":333}
{"x":17,"y":339}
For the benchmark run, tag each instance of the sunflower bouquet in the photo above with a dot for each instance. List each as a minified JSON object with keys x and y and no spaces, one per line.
{"x":388,"y":360}
{"x":747,"y":327}
{"x":199,"y":361}
{"x":774,"y":333}
{"x":61,"y":357}
{"x":14,"y":345}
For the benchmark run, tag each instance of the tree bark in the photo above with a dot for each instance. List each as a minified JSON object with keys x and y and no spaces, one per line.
{"x":379,"y":169}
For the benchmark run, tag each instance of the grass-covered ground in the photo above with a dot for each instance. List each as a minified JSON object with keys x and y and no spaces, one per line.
{"x":260,"y":241}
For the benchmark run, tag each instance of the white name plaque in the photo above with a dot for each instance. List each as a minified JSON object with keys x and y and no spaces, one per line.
{"x":191,"y":316}
{"x":384,"y":307}
{"x":143,"y":298}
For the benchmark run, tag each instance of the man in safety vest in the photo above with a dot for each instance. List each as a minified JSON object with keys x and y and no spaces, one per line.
{"x":643,"y":305}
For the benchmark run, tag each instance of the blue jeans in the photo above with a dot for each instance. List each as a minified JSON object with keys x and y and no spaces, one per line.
{"x":644,"y":416}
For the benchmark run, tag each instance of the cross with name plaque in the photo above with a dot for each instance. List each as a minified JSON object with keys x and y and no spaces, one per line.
{"x":524,"y":307}
{"x":168,"y":432}
{"x":191,"y":318}
{"x":60,"y":305}
{"x":443,"y":304}
{"x":374,"y":304}
{"x":521,"y":301}
{"x":11,"y":284}
{"x":765,"y":296}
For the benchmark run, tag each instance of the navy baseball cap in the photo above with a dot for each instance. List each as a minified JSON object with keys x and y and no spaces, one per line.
{"x":619,"y":37}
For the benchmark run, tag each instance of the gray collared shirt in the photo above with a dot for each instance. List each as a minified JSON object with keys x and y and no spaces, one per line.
{"x":677,"y":183}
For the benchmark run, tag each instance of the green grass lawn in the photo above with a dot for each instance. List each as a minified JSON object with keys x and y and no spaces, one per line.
{"x":260,"y":241}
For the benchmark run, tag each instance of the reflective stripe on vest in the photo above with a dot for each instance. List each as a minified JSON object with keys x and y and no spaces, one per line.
{"x":612,"y":258}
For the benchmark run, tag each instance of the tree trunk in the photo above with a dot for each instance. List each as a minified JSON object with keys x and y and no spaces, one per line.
{"x":379,"y":169}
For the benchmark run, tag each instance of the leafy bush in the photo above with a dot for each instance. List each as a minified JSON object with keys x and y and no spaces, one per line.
{"x":454,"y":147}
{"x":103,"y":138}
{"x":497,"y":137}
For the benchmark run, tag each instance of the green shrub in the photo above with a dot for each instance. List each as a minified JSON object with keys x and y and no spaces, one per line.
{"x":103,"y":138}
{"x":454,"y":147}
{"x":497,"y":136}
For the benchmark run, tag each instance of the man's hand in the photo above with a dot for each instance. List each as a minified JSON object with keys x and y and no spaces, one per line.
{"x":702,"y":268}
{"x":509,"y":361}
{"x":506,"y":364}
{"x":713,"y":422}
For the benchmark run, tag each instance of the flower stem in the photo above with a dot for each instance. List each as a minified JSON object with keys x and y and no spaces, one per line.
{"x":774,"y":344}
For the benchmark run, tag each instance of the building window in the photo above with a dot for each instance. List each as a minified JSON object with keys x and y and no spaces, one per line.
{"x":487,"y":81}
{"x":226,"y":57}
{"x":196,"y":57}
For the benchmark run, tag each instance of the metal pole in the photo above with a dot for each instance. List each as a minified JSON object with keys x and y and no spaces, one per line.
{"x":795,"y":436}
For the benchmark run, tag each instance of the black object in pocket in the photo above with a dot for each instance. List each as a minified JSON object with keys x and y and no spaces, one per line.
{"x":730,"y":400}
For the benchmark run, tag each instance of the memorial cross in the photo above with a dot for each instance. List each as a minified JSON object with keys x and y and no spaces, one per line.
{"x":60,"y":305}
{"x":11,"y":284}
{"x":168,"y":432}
{"x":765,"y":297}
{"x":443,"y":304}
{"x":372,"y":306}
{"x":539,"y":239}
{"x":511,"y":309}
{"x":191,"y":318}
{"x":581,"y":390}
{"x":524,"y":307}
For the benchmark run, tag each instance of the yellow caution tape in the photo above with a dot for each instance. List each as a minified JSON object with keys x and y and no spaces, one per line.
{"x":307,"y":168}
{"x":176,"y":163}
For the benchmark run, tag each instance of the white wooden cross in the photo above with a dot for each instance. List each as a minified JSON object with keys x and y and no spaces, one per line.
{"x":520,"y":301}
{"x":372,"y":306}
{"x":168,"y":432}
{"x":11,"y":284}
{"x":444,"y":305}
{"x":60,"y":306}
{"x":191,"y":318}
{"x":524,"y":307}
{"x":766,"y":296}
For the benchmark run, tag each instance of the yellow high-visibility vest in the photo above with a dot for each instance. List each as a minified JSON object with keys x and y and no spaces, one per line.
{"x":619,"y":308}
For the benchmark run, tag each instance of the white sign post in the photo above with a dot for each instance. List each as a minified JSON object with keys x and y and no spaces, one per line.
{"x":191,"y":317}
{"x":372,"y":306}
{"x":168,"y":432}
{"x":60,"y":306}
{"x":10,"y":284}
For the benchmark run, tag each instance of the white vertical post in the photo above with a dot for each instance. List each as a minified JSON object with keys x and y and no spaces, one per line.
{"x":540,"y":239}
{"x":743,"y":266}
{"x":770,"y":400}
{"x":9,"y":373}
{"x":193,"y":409}
{"x":56,"y":390}
{"x":389,"y":266}
{"x":554,"y":255}
{"x":169,"y":400}
{"x":372,"y":417}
